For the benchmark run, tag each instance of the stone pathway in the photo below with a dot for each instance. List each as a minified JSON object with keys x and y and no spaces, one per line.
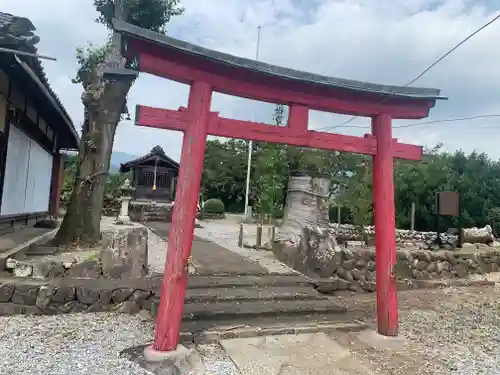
{"x":211,"y":258}
{"x":303,"y":354}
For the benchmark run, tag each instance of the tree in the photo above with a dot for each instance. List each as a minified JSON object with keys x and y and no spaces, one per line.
{"x":104,"y":103}
{"x":270,"y":171}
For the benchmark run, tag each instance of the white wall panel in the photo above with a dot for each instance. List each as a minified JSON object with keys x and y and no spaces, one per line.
{"x":27,"y":176}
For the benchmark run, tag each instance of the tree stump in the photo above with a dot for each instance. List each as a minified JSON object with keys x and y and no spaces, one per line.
{"x":306,"y":205}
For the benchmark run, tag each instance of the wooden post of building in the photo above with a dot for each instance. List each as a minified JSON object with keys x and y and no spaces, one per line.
{"x":168,"y":323}
{"x":56,"y":184}
{"x":385,"y":227}
{"x":339,"y":216}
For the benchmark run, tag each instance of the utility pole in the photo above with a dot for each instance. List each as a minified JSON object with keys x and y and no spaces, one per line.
{"x":250,"y":143}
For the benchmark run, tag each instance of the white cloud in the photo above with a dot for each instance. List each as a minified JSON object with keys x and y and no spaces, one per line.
{"x":380,"y":41}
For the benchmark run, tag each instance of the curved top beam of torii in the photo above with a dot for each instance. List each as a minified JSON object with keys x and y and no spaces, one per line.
{"x":171,"y":58}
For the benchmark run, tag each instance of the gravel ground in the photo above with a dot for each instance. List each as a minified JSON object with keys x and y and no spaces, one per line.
{"x":84,"y":344}
{"x":225,"y":233}
{"x":78,"y":344}
{"x":452,"y":331}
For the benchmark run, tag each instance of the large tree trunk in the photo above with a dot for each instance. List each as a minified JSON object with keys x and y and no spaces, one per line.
{"x":104,"y":102}
{"x":306,"y":205}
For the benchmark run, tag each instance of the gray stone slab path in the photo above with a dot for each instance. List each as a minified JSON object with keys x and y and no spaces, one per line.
{"x":211,"y":258}
{"x":13,"y":239}
{"x":303,"y":354}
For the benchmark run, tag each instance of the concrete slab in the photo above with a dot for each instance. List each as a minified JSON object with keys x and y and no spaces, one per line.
{"x":302,"y":354}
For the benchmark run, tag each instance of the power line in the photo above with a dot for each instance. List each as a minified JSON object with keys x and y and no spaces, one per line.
{"x":445,"y":120}
{"x":427,"y":122}
{"x":463,"y":41}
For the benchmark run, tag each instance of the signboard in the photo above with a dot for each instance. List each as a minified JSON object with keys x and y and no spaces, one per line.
{"x":448,"y":203}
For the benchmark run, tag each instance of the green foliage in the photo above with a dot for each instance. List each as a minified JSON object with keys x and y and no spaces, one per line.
{"x":213,"y":206}
{"x":88,"y":59}
{"x":493,"y":219}
{"x":148,"y":14}
{"x":112,"y":185}
{"x":474,"y":176}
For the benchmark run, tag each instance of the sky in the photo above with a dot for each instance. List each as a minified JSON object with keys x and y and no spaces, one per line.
{"x":388,"y":42}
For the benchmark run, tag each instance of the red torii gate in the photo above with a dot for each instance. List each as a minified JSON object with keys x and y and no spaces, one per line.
{"x":207,"y":71}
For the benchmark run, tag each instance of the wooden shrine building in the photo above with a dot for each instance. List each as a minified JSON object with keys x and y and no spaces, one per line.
{"x":153,"y":176}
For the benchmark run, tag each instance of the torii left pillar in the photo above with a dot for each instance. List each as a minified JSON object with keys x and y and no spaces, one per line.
{"x":169,"y":317}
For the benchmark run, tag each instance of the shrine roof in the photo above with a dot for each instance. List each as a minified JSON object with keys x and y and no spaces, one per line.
{"x":156,"y":154}
{"x":430,"y":94}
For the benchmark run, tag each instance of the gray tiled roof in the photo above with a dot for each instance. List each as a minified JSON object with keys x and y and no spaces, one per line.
{"x":18,"y":33}
{"x":273,"y":70}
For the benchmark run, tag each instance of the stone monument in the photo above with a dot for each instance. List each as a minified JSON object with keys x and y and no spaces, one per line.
{"x":125,"y":199}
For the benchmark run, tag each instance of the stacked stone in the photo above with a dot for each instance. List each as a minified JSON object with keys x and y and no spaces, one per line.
{"x":354,"y":269}
{"x":21,"y":298}
{"x":349,"y":232}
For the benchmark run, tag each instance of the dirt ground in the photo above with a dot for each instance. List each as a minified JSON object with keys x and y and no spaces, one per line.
{"x":444,"y":331}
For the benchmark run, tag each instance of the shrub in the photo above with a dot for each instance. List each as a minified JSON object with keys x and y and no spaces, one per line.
{"x":213,"y":206}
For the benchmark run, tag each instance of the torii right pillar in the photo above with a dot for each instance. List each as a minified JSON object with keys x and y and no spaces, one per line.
{"x":385,"y":227}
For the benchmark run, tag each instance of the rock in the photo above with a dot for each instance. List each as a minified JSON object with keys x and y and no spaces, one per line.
{"x":13,"y":309}
{"x":349,"y":264}
{"x":344,"y":274}
{"x":342,"y":284}
{"x":128,"y":307}
{"x":86,"y":295}
{"x":88,"y":269}
{"x":364,"y":254}
{"x":121,"y":295}
{"x":425,"y":275}
{"x":358,"y":275}
{"x":432,"y":267}
{"x":403,"y":271}
{"x":461,"y":270}
{"x":125,"y":250}
{"x":368,"y":286}
{"x":18,"y":268}
{"x":354,"y":286}
{"x":404,"y":255}
{"x":64,"y":294}
{"x":370,"y":276}
{"x":139,"y":296}
{"x":348,"y":254}
{"x":494,"y":267}
{"x":447,"y":274}
{"x":74,"y":307}
{"x":25,"y":295}
{"x":360,"y":264}
{"x":6,"y":291}
{"x":326,"y":286}
{"x":422,"y":265}
{"x":450,"y":256}
{"x":42,"y":268}
{"x":371,"y":266}
{"x":44,"y":297}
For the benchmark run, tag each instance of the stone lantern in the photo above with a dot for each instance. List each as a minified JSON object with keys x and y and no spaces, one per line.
{"x":125,"y":199}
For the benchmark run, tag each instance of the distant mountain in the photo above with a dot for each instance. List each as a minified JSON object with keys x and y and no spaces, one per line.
{"x":119,"y":157}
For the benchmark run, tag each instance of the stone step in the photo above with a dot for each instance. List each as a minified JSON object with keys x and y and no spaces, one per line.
{"x":295,"y":292}
{"x":227,"y":310}
{"x":198,"y":281}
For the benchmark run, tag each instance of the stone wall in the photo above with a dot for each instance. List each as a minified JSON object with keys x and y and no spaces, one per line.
{"x":319,"y":256}
{"x":121,"y":253}
{"x":348,"y":232}
{"x":24,"y":296}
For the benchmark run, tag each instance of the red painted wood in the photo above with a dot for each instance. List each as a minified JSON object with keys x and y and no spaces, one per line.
{"x":385,"y":232}
{"x":180,"y":240}
{"x":293,"y":135}
{"x":258,"y":86}
{"x":298,"y":118}
{"x":56,"y":184}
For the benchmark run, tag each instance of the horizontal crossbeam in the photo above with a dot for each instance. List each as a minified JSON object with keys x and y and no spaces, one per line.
{"x":223,"y":127}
